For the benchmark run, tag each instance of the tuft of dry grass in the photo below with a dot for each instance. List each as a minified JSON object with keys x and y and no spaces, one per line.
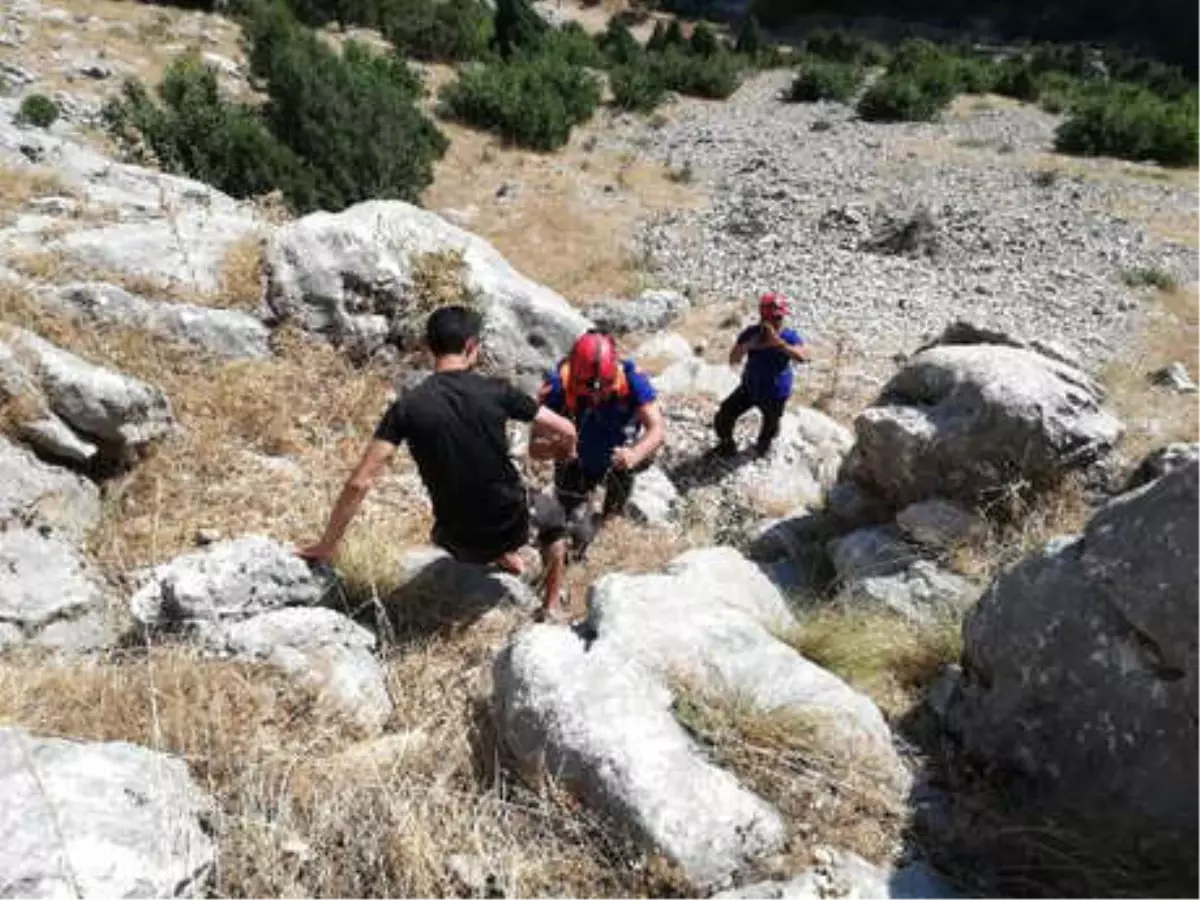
{"x":242,"y":275}
{"x":19,"y":186}
{"x":889,"y":658}
{"x":1154,"y":415}
{"x":829,"y":794}
{"x":305,"y":807}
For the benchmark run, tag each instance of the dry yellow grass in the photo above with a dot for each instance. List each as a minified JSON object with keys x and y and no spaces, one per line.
{"x":262,"y":446}
{"x":241,"y":275}
{"x":1155,"y":415}
{"x":565,"y":219}
{"x":19,"y":186}
{"x":306,"y":808}
{"x":829,"y":792}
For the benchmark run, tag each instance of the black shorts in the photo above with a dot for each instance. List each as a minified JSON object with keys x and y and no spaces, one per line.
{"x":471,"y":545}
{"x":567,"y":513}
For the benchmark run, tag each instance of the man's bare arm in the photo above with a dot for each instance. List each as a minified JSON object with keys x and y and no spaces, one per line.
{"x":376,"y":457}
{"x":654,"y":432}
{"x":553,"y":436}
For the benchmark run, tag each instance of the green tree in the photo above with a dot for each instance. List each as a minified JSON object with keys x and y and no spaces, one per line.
{"x":704,"y":41}
{"x":38,"y":110}
{"x":750,"y":38}
{"x":517,"y":28}
{"x":618,"y":44}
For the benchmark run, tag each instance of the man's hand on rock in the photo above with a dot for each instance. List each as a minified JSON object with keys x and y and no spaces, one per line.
{"x":623,"y":458}
{"x":319,"y":552}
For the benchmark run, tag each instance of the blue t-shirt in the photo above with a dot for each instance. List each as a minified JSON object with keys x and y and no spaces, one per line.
{"x":768,"y":371}
{"x":608,"y":425}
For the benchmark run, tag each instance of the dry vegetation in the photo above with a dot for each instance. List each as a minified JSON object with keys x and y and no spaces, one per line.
{"x":1156,"y":415}
{"x":263,"y":446}
{"x":829,"y":792}
{"x":566,"y":220}
{"x":305,"y":808}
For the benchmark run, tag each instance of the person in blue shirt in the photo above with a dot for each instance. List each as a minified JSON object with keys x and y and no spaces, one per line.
{"x":619,"y":427}
{"x":769,"y":350}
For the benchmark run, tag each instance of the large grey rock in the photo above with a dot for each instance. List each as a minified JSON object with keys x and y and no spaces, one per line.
{"x":802,"y":464}
{"x":964,"y":332}
{"x":170,"y":229}
{"x":692,"y":377}
{"x":109,"y":413}
{"x":222,"y":332}
{"x":1176,"y":377}
{"x":99,"y":820}
{"x":877,"y":564}
{"x":45,"y":584}
{"x":430,"y":576}
{"x":937,"y":524}
{"x":653,"y":498}
{"x":850,"y":876}
{"x":598,"y":714}
{"x":591,"y":719}
{"x":651,"y":311}
{"x":664,"y":348}
{"x":321,"y":649}
{"x":1079,"y":671}
{"x":349,"y":276}
{"x":230,"y":580}
{"x":33,"y":493}
{"x":968,"y":422}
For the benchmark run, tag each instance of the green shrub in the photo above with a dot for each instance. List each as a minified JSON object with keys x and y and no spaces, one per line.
{"x":574,"y":46}
{"x":517,"y":28}
{"x":842,"y":46}
{"x":352,"y":117}
{"x":713,"y":77}
{"x":901,"y":98}
{"x":977,"y":76}
{"x":750,"y":40}
{"x":38,"y":110}
{"x":824,"y":80}
{"x":1149,"y":276}
{"x":1017,"y":79}
{"x":528,"y":101}
{"x":1129,"y":122}
{"x":445,"y":31}
{"x":703,"y":41}
{"x":657,"y":41}
{"x":618,"y":44}
{"x":637,"y":86}
{"x":194,"y":131}
{"x":673,"y":36}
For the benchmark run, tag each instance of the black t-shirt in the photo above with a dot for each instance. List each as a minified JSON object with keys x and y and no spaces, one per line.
{"x":454,"y":423}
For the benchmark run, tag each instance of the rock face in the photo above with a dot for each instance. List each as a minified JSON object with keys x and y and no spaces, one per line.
{"x":321,"y":649}
{"x":170,"y":229}
{"x":653,"y":498}
{"x":664,"y":348}
{"x":222,"y":332}
{"x":849,"y":876}
{"x":430,"y":575}
{"x":690,"y":377}
{"x":76,"y":410}
{"x":969,"y":421}
{"x":649,"y":312}
{"x":1080,"y":671}
{"x":253,"y":599}
{"x":33,"y":493}
{"x":352,"y":277}
{"x":230,"y":580}
{"x":937,"y":524}
{"x":49,"y":594}
{"x":598,"y":715}
{"x":99,"y":820}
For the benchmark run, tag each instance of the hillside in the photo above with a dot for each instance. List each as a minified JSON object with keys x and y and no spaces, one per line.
{"x":921,"y":648}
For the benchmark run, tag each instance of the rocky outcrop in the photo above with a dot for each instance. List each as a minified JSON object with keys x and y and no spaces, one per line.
{"x":968,"y":422}
{"x":654,"y":497}
{"x":74,"y":410}
{"x":598,"y":715}
{"x":49,"y":594}
{"x":846,"y":875}
{"x":253,"y":599}
{"x":1079,"y":672}
{"x":222,"y":332}
{"x":322,"y":650}
{"x":99,"y":820}
{"x":693,"y":376}
{"x":355,"y":276}
{"x":228,"y":581}
{"x":35,"y":494}
{"x":169,"y":229}
{"x":649,"y":312}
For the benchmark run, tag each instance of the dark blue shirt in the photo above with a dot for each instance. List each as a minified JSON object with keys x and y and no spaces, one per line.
{"x":768,"y":371}
{"x":608,"y":425}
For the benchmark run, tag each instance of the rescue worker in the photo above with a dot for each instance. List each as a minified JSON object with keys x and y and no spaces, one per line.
{"x":769,"y":349}
{"x":619,"y":428}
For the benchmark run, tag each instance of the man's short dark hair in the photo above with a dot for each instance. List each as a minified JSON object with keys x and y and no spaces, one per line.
{"x":449,"y":328}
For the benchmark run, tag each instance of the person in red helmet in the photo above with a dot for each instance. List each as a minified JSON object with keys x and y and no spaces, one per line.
{"x":619,"y":425}
{"x":769,"y":349}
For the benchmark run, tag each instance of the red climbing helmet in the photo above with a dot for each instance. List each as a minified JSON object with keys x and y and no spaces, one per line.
{"x":773,"y":306}
{"x":593,"y":364}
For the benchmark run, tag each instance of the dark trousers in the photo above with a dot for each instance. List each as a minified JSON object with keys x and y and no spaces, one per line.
{"x":737,"y":405}
{"x":566,"y":512}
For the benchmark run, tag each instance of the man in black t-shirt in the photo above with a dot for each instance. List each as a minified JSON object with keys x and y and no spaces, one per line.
{"x":454,"y":422}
